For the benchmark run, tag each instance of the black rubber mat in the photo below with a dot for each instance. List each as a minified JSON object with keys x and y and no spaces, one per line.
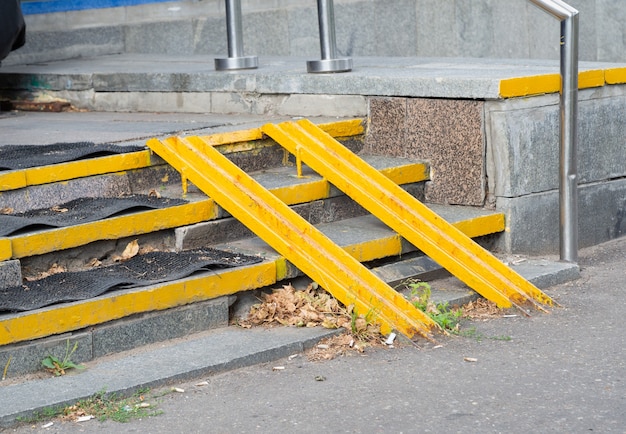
{"x":141,"y":270}
{"x":13,"y":157}
{"x":78,"y":211}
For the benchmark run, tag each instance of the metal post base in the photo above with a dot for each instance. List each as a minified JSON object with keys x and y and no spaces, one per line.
{"x":329,"y":65}
{"x":228,"y":63}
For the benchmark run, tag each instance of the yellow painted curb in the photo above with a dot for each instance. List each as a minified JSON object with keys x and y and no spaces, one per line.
{"x":532,"y":85}
{"x":551,"y":83}
{"x":589,"y":79}
{"x":615,"y":75}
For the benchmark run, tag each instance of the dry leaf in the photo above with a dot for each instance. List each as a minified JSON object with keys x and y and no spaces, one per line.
{"x":54,"y":269}
{"x":57,"y":208}
{"x":154,"y":193}
{"x":95,"y":262}
{"x":470,"y":359}
{"x":6,"y":210}
{"x":131,"y":250}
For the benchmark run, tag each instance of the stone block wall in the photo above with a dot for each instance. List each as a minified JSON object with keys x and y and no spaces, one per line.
{"x":402,"y":28}
{"x":505,"y":155}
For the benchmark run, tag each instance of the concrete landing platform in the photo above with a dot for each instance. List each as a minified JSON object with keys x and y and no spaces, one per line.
{"x":138,"y":82}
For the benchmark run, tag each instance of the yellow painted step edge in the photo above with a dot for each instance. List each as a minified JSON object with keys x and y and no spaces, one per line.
{"x":15,"y":179}
{"x":115,"y":305}
{"x":74,"y":316}
{"x":114,"y":228}
{"x":6,"y":251}
{"x":75,"y":169}
{"x":551,"y":83}
{"x":153,"y":220}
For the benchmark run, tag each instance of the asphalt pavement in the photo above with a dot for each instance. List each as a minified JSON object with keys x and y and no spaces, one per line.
{"x":562,"y":372}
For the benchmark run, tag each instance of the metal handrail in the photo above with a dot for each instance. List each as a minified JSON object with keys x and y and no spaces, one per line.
{"x":568,"y":176}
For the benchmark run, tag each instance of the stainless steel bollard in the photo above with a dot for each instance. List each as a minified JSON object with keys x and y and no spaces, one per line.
{"x":328,"y":43}
{"x":235,"y":59}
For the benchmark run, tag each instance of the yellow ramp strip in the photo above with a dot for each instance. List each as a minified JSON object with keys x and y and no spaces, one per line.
{"x":445,"y":244}
{"x":75,"y":316}
{"x":292,"y":236}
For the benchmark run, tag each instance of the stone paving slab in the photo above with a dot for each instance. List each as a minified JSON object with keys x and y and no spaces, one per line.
{"x":382,"y":76}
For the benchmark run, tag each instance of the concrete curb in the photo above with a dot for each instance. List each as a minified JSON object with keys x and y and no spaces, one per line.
{"x":180,"y":360}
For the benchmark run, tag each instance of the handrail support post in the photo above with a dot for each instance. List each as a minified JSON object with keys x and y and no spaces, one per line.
{"x":328,"y":44}
{"x":568,"y":112}
{"x":235,"y":59}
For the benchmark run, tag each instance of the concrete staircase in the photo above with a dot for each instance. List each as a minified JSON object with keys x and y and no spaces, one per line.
{"x":125,"y":319}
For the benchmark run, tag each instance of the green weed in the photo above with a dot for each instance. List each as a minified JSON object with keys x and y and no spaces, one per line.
{"x":446,"y":317}
{"x":58,"y":366}
{"x":105,"y":406}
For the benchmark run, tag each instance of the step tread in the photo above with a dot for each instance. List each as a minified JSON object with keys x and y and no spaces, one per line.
{"x":281,"y":181}
{"x":367,"y":238}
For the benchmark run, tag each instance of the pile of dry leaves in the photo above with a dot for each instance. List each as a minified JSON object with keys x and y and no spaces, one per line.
{"x":312,"y":307}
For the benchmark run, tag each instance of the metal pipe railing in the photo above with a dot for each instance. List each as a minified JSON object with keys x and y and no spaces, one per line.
{"x":235,"y":59}
{"x":328,"y":44}
{"x":568,"y":176}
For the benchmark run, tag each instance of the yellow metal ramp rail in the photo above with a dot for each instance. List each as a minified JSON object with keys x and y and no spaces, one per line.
{"x":438,"y":239}
{"x":291,"y":235}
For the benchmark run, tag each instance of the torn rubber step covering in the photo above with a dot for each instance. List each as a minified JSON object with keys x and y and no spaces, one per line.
{"x":14,"y":157}
{"x":82,"y":210}
{"x":141,"y":270}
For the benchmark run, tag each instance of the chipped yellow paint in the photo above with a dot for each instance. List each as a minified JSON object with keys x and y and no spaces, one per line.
{"x":423,"y":228}
{"x":5,"y":249}
{"x":347,"y":128}
{"x":375,"y":249}
{"x":482,"y":225}
{"x":233,"y":137}
{"x":591,"y":78}
{"x":114,"y":228}
{"x":78,"y":315}
{"x":615,"y":75}
{"x":531,"y":85}
{"x":342,"y":128}
{"x":292,"y":236}
{"x":408,"y":173}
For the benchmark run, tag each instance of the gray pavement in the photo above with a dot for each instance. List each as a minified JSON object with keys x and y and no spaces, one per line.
{"x":35,"y":128}
{"x":557,"y":372}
